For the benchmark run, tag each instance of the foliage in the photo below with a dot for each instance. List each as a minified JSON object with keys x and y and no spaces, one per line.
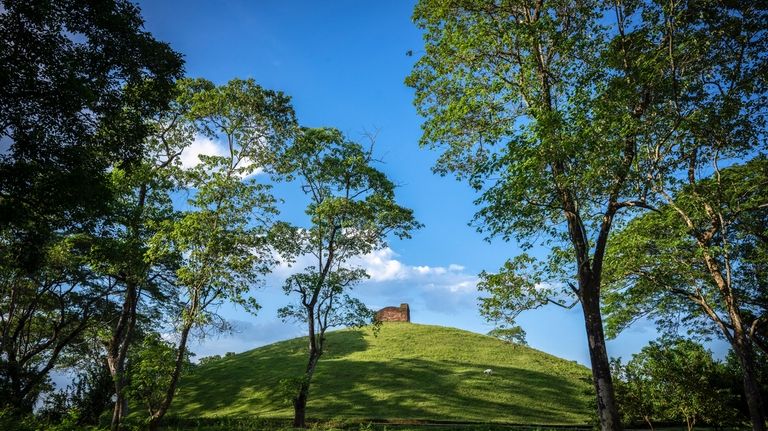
{"x":634,"y":392}
{"x":733,"y":378}
{"x":79,"y":82}
{"x":567,"y":115}
{"x":92,"y":393}
{"x":533,"y":105}
{"x":219,"y":243}
{"x":659,"y":271}
{"x":151,"y":368}
{"x":514,"y":334}
{"x":220,"y":239}
{"x":698,"y":264}
{"x":674,"y":380}
{"x":45,"y":314}
{"x":351,"y":211}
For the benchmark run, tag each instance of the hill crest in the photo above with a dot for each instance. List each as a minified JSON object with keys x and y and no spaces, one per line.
{"x":408,"y":371}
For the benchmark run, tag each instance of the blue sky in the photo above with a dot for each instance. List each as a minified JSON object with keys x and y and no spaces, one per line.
{"x":343,"y":63}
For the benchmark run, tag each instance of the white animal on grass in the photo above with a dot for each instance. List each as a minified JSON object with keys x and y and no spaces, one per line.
{"x":488,"y":372}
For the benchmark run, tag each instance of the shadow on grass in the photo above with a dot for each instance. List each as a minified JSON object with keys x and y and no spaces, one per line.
{"x":253,"y":378}
{"x":398,"y":388}
{"x":421,"y":389}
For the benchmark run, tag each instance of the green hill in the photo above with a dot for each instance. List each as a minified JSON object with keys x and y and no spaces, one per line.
{"x":408,"y":371}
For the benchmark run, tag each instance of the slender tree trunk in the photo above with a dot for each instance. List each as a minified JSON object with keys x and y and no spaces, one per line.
{"x":300,"y":407}
{"x":300,"y":402}
{"x":154,"y":421}
{"x":648,"y":421}
{"x":117,"y":353}
{"x":608,"y":413}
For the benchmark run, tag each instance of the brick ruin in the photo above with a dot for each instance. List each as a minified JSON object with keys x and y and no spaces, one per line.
{"x":394,"y":314}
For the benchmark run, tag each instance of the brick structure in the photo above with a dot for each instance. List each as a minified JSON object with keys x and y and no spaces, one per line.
{"x":394,"y":314}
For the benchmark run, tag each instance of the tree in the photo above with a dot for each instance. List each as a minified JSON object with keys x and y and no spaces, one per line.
{"x":142,"y":279}
{"x":43,"y":315}
{"x":734,"y":379}
{"x":92,"y":390}
{"x":152,"y":369}
{"x":351,"y":210}
{"x":560,"y":96}
{"x":514,"y":334}
{"x":635,"y":393}
{"x":677,"y":380}
{"x":192,"y":260}
{"x":80,"y":80}
{"x":222,"y":239}
{"x":701,"y":257}
{"x":567,"y":115}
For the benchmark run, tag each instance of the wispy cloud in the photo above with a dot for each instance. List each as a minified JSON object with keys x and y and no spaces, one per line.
{"x":384,"y":266}
{"x":439,"y":289}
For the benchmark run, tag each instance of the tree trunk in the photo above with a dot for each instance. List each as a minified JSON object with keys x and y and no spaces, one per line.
{"x":154,"y":421}
{"x":741,"y":343}
{"x":300,"y":402}
{"x":648,"y":421}
{"x":744,"y":351}
{"x":120,"y":410}
{"x":300,"y":407}
{"x":608,"y":413}
{"x":117,"y":353}
{"x":17,"y":402}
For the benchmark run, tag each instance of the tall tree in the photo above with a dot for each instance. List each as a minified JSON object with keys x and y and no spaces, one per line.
{"x":78,"y":82}
{"x":700,"y":259}
{"x":141,"y":278}
{"x":199,"y":256}
{"x":222,"y":239}
{"x":719,"y":90}
{"x":351,"y":211}
{"x":536,"y":103}
{"x":568,"y":114}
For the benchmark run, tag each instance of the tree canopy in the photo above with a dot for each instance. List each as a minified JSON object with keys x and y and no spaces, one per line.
{"x":352,"y":210}
{"x":569,"y":115}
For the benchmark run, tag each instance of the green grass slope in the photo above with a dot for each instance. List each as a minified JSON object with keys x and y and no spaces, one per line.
{"x":408,"y":371}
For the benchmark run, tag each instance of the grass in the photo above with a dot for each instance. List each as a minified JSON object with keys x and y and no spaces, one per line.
{"x":407,"y":372}
{"x":267,"y":425}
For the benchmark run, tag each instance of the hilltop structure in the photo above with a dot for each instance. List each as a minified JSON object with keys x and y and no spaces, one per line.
{"x":394,"y":314}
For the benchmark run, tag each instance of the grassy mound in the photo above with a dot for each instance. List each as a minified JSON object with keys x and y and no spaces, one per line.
{"x":408,"y":371}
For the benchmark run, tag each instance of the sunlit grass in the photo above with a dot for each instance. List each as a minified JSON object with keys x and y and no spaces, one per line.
{"x":408,"y":371}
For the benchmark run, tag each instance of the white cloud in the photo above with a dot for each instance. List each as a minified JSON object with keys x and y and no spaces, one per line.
{"x":439,"y":289}
{"x":203,"y":145}
{"x":284,"y":268}
{"x":383,"y":265}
